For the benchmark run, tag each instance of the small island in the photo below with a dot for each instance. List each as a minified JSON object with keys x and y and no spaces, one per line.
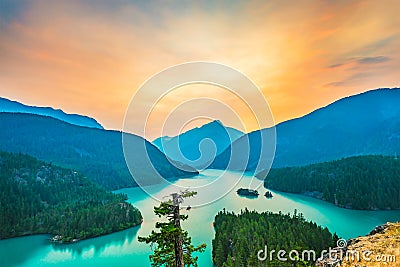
{"x":247,"y":192}
{"x":268,"y":194}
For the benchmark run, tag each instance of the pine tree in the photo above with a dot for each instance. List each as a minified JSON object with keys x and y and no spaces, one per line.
{"x":173,"y":245}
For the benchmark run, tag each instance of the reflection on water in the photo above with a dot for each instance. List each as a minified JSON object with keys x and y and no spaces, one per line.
{"x":120,"y":242}
{"x":20,"y":251}
{"x":122,"y":248}
{"x":16,"y":251}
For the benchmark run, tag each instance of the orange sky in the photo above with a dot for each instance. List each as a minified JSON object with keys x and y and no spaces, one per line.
{"x":89,"y":57}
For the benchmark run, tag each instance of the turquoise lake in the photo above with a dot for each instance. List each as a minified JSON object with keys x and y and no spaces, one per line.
{"x":122,"y":248}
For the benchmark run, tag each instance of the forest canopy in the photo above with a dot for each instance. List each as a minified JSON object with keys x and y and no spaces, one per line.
{"x":39,"y":198}
{"x":362,"y":182}
{"x":239,"y":237}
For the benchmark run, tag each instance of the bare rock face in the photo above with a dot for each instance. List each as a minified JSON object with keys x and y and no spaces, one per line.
{"x":379,"y":229}
{"x":381,"y":247}
{"x":332,"y":259}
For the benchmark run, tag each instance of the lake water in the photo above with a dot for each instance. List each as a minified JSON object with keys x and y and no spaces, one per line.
{"x":122,"y":248}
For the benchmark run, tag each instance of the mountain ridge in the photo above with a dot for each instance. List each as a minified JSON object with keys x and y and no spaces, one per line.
{"x":97,"y":153}
{"x":362,"y":124}
{"x":11,"y":106}
{"x":191,"y":147}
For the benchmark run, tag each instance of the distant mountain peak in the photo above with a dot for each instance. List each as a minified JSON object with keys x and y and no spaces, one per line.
{"x":214,"y":122}
{"x":363,"y":124}
{"x":11,"y":106}
{"x":189,"y":148}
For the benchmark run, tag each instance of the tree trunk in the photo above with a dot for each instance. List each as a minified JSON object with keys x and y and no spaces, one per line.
{"x":178,"y":238}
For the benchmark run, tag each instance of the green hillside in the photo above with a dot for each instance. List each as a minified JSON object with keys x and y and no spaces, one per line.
{"x":239,"y":237}
{"x":363,"y":182}
{"x":37,"y":197}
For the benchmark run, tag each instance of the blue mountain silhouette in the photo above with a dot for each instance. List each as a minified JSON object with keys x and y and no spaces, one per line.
{"x":198,"y":146}
{"x":7,"y":105}
{"x":363,"y":124}
{"x":97,"y":153}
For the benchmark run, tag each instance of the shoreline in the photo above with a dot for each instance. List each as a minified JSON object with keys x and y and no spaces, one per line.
{"x":51,"y":236}
{"x":307,"y":194}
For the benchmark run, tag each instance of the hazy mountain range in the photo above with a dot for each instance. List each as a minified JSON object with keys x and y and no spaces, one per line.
{"x":198,"y":146}
{"x":16,"y":107}
{"x":96,"y":153}
{"x":364,"y":124}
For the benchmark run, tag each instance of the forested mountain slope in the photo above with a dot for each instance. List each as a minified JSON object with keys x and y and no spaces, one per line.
{"x":363,"y":124}
{"x":363,"y":182}
{"x":37,"y":197}
{"x":96,"y":153}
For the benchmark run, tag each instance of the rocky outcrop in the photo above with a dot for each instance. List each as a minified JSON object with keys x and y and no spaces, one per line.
{"x":381,"y":247}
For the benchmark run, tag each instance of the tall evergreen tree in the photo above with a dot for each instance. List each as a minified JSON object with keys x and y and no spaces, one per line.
{"x":173,"y":245}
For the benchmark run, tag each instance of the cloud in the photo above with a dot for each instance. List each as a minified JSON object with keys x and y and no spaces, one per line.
{"x":373,"y":60}
{"x":377,"y":45}
{"x":336,"y":65}
{"x":89,"y":57}
{"x":362,"y":61}
{"x":352,"y":79}
{"x":336,"y":84}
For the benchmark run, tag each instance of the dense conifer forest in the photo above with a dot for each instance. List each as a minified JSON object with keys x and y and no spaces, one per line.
{"x":239,"y":237}
{"x":37,"y":197}
{"x":362,"y":182}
